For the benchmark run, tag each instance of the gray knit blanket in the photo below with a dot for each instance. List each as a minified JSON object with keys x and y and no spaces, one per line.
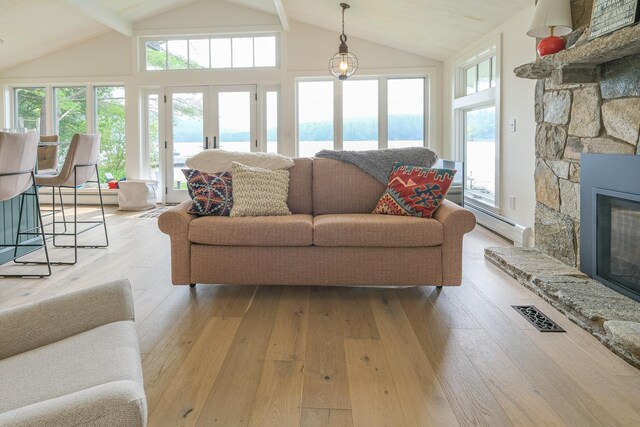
{"x":379,"y":163}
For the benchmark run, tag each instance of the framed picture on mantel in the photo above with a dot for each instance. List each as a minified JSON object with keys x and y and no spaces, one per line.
{"x":610,"y":15}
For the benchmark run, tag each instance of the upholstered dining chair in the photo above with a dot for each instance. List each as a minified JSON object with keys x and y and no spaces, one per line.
{"x":17,"y":163}
{"x":48,"y":154}
{"x":80,"y":167}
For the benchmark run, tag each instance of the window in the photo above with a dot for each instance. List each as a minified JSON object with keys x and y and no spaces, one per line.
{"x":363,"y":124}
{"x":152,"y":134}
{"x":199,"y":54}
{"x":315,"y":117}
{"x":220,"y":53}
{"x":272,"y":121}
{"x":476,"y":115}
{"x":405,"y":107}
{"x":110,"y":123}
{"x":30,"y":110}
{"x":360,"y":115}
{"x":206,"y":53}
{"x":480,"y":140}
{"x":480,"y":76}
{"x":70,"y":115}
{"x":79,"y":109}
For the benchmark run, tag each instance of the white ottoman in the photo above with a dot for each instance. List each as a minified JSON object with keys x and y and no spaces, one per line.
{"x":137,"y":195}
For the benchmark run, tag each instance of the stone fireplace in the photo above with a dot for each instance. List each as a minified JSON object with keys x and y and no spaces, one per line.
{"x":602,"y":116}
{"x":587,"y":107}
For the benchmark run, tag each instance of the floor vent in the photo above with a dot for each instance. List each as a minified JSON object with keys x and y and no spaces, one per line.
{"x":538,"y":318}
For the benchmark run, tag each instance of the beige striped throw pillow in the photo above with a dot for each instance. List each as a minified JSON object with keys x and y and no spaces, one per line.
{"x":258,"y":191}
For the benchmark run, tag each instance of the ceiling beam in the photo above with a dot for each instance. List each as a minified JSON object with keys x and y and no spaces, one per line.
{"x":282,"y":14}
{"x":104,"y":15}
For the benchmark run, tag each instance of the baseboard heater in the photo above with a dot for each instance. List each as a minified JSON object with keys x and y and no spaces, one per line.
{"x":518,"y":234}
{"x":86,"y":196}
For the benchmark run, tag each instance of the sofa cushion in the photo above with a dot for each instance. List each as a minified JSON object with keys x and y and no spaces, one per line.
{"x":102,"y":355}
{"x":356,"y":230}
{"x":300,"y":178}
{"x":341,"y":188}
{"x":291,"y":230}
{"x":258,"y":191}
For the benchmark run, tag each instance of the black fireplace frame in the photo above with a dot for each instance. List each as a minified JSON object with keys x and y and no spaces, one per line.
{"x":612,"y":175}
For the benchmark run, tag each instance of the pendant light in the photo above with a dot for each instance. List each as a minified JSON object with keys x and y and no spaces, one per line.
{"x":344,"y":63}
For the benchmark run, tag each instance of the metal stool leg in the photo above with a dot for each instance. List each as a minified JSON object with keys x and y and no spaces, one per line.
{"x":40,"y":233}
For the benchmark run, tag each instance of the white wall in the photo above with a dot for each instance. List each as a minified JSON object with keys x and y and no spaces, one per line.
{"x":112,"y":58}
{"x":517,"y":150}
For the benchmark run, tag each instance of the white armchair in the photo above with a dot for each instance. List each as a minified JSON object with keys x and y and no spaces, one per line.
{"x":72,"y":360}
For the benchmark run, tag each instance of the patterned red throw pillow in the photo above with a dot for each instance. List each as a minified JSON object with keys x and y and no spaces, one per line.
{"x":414,"y":191}
{"x":211,"y":193}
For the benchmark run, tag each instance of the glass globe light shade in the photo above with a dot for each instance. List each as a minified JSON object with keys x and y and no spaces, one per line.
{"x":343,"y":65}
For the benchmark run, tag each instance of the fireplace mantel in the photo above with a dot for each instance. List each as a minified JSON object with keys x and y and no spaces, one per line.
{"x":578,"y":64}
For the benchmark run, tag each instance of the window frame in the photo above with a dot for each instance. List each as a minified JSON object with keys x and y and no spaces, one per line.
{"x":143,"y":40}
{"x":463,"y":103}
{"x":383,"y":122}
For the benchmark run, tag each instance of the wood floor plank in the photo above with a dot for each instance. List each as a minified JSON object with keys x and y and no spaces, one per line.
{"x":356,"y":315}
{"x":619,"y":401}
{"x":164,"y":360}
{"x":279,"y":396}
{"x":453,"y":314}
{"x":235,"y":300}
{"x":289,"y":335}
{"x":374,"y":398}
{"x":421,"y":396}
{"x":159,"y":321}
{"x":313,"y":417}
{"x":325,"y":374}
{"x":565,"y":396}
{"x":470,"y":398}
{"x":183,"y":400}
{"x":520,"y":400}
{"x":232,"y":396}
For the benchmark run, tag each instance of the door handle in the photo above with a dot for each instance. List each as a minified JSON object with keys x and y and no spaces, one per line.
{"x":215,"y":142}
{"x":206,"y":142}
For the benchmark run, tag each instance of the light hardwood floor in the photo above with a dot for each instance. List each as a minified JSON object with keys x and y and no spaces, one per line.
{"x":289,"y":356}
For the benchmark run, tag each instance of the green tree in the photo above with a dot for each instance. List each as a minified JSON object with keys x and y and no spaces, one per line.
{"x":110,"y":114}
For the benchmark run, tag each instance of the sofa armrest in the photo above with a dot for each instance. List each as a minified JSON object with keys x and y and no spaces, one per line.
{"x":455,"y":218}
{"x":456,"y":221}
{"x":118,"y":403}
{"x":175,"y":222}
{"x":44,"y":322}
{"x":176,"y":219}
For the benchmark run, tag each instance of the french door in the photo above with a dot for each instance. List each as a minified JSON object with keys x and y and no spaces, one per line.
{"x":205,"y":117}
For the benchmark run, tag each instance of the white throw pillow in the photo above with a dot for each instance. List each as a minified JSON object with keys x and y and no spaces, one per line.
{"x":214,"y":161}
{"x":258,"y":191}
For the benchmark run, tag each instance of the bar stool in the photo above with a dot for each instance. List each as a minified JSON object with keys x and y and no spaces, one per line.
{"x":80,"y":166}
{"x":18,"y":153}
{"x":48,"y":150}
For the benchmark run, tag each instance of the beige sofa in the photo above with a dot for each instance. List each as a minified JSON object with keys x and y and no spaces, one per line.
{"x":72,"y":360}
{"x":331,"y":239}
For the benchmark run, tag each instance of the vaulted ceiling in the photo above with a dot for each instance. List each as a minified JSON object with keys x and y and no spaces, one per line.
{"x":432,"y":28}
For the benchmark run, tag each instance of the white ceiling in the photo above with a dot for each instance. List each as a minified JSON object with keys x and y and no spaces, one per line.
{"x":433,"y":28}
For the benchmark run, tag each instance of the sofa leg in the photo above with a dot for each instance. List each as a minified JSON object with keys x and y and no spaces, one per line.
{"x":439,"y":287}
{"x":192,"y":285}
